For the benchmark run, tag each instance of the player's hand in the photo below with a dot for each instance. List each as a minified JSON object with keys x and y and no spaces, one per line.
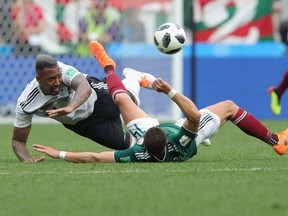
{"x":47,"y":150}
{"x":161,"y":86}
{"x":34,"y":160}
{"x":59,"y":112}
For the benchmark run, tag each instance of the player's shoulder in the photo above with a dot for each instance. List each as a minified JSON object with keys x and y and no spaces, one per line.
{"x":67,"y":69}
{"x":63,"y":67}
{"x":169,"y":125}
{"x":31,"y":88}
{"x":133,"y":150}
{"x":29,"y":94}
{"x":138,"y":148}
{"x":170,"y":129}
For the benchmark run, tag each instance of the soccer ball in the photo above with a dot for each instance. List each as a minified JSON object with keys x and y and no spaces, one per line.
{"x":169,"y":38}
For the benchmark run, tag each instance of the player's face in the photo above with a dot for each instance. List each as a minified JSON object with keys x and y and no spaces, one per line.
{"x":50,"y":80}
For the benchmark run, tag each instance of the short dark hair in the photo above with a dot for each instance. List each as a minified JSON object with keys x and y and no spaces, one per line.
{"x":155,"y":141}
{"x":44,"y":61}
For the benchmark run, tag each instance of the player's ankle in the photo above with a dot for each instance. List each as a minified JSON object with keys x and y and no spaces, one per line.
{"x":109,"y":69}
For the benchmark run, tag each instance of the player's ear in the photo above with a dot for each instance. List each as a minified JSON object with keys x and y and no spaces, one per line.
{"x":38,"y":78}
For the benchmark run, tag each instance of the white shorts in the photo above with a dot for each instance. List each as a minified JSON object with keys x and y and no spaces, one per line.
{"x":138,"y":128}
{"x":208,"y":127}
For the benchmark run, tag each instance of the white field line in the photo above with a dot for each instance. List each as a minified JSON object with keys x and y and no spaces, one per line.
{"x":252,"y":169}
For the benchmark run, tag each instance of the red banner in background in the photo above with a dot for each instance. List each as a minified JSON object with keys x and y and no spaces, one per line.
{"x":233,"y":21}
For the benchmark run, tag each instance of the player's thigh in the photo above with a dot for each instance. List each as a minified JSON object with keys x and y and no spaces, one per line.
{"x":138,"y":127}
{"x":224,"y":110}
{"x":110,"y":133}
{"x":129,"y":110}
{"x":208,"y":127}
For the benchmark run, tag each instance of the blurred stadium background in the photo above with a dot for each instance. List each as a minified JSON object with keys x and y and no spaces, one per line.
{"x":235,"y":49}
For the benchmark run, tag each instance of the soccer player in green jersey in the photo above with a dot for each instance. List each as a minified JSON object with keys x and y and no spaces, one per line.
{"x":156,"y":142}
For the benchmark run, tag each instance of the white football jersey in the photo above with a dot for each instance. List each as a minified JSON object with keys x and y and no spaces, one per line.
{"x":33,"y":101}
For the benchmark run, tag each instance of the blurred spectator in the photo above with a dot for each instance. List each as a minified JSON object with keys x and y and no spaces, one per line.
{"x":5,"y":21}
{"x":132,"y":29}
{"x":72,"y":13}
{"x":49,"y":38}
{"x":28,"y":22}
{"x":283,"y":28}
{"x":33,"y":27}
{"x":99,"y":23}
{"x":65,"y":36}
{"x":276,"y":12}
{"x":280,"y":18}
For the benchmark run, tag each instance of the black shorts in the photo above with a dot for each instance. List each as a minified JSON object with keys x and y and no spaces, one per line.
{"x":104,"y":125}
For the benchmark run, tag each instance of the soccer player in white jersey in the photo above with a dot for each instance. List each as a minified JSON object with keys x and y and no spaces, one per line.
{"x":81,"y":103}
{"x":166,"y":142}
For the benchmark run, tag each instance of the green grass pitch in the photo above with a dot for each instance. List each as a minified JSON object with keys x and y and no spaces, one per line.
{"x":236,"y":175}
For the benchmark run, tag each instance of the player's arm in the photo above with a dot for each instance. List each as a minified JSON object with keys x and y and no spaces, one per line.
{"x":82,"y":92}
{"x":77,"y":157}
{"x":188,"y":108}
{"x":19,"y":140}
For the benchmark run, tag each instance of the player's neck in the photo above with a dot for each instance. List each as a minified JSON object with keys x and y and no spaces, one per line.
{"x":161,"y":155}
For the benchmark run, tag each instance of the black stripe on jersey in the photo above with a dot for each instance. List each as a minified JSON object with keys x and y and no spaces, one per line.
{"x":64,"y":84}
{"x":204,"y":121}
{"x":30,"y":98}
{"x":34,"y":91}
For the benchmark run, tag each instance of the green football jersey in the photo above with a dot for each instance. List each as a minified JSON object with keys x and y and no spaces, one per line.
{"x":181,"y":146}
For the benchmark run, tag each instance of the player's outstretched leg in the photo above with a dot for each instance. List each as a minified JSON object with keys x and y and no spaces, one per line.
{"x":145,"y":79}
{"x":98,"y":51}
{"x":115,"y":86}
{"x":282,"y":145}
{"x":275,"y":102}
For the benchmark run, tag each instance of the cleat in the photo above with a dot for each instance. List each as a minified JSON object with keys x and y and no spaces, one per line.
{"x":282,"y":145}
{"x":275,"y":103}
{"x":145,"y":79}
{"x":206,"y":142}
{"x":98,"y":51}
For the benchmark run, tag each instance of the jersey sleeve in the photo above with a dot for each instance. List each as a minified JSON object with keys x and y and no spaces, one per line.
{"x":136,"y":153}
{"x":22,"y":119}
{"x":184,"y":137}
{"x":124,"y":156}
{"x":188,"y":133}
{"x":68,"y":73}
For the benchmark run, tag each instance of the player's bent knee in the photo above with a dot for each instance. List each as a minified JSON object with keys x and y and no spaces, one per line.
{"x":122,"y":98}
